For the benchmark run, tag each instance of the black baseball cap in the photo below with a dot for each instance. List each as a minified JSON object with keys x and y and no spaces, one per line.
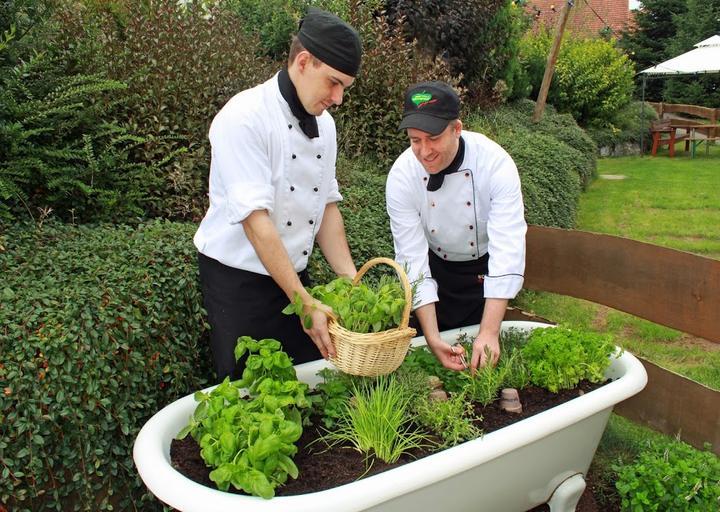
{"x":430,"y":106}
{"x":331,"y":40}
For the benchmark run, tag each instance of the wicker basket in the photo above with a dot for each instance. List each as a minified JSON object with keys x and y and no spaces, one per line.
{"x":376,"y":353}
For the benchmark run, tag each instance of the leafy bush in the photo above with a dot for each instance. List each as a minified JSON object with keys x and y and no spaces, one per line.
{"x":592,"y":78}
{"x":559,"y":358}
{"x":550,"y":182}
{"x":60,"y":148}
{"x":478,"y":38}
{"x":627,"y":126}
{"x":451,"y":420}
{"x":367,"y":225}
{"x":181,"y":67}
{"x":369,"y":117}
{"x":670,"y":476}
{"x":101,"y":327}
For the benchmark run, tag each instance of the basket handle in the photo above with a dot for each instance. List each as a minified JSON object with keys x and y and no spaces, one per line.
{"x":403,"y":280}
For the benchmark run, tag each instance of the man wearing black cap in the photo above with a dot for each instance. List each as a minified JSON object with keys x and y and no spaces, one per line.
{"x":273,"y":192}
{"x":457,"y":220}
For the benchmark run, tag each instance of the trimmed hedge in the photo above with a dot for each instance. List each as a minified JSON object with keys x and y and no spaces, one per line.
{"x":101,"y":327}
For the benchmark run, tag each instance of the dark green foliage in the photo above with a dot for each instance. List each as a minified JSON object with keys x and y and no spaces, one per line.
{"x":367,"y":226}
{"x":627,"y":126}
{"x":670,"y":476}
{"x":648,"y":43}
{"x":701,"y":21}
{"x":181,"y":67}
{"x":60,"y":148}
{"x":100,"y":328}
{"x":367,"y":120}
{"x":550,"y":182}
{"x":478,"y":39}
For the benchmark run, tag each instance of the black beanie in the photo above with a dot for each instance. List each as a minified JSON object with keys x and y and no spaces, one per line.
{"x":331,"y":40}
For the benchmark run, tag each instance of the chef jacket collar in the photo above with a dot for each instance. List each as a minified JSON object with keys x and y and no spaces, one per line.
{"x":436,"y":180}
{"x":308,"y":122}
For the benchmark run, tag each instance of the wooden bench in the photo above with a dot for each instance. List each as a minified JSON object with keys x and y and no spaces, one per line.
{"x":665,"y":133}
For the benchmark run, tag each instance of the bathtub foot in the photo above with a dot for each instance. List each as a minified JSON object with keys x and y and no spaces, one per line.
{"x":566,"y":496}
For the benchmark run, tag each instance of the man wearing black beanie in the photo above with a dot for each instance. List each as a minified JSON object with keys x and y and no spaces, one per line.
{"x":273,"y":192}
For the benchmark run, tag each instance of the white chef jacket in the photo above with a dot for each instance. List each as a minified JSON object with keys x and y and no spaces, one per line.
{"x":261,"y":160}
{"x":477,"y":210}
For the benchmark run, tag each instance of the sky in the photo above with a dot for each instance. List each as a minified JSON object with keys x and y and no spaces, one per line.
{"x":634,"y":4}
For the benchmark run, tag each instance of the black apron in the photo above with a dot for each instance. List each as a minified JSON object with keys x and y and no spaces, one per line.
{"x":461,"y":298}
{"x":243,"y":303}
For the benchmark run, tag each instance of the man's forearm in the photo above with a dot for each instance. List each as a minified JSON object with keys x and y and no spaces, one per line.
{"x":333,"y":242}
{"x":493,"y":315}
{"x":263,"y":236}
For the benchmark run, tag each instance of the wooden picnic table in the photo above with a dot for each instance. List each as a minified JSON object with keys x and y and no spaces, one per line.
{"x":665,"y":132}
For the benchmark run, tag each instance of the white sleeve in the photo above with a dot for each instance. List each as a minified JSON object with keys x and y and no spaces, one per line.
{"x":506,"y":230}
{"x":242,"y":163}
{"x":411,"y":247}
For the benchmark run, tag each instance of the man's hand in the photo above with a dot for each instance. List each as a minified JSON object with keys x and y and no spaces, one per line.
{"x":318,"y":332}
{"x":483,"y":344}
{"x":451,"y":357}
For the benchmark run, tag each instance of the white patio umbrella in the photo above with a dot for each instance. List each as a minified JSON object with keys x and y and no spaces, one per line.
{"x":703,"y":59}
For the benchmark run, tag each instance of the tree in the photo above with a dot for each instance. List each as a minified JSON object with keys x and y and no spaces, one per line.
{"x":647,"y":42}
{"x":702,"y":20}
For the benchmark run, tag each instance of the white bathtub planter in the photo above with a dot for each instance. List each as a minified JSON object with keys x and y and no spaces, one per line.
{"x":541,"y":459}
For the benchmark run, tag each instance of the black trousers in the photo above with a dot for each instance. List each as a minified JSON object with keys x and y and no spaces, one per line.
{"x":242,"y":303}
{"x":461,"y":299}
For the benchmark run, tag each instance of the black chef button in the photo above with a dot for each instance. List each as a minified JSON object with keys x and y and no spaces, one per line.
{"x":292,"y":189}
{"x":425,"y":178}
{"x":467,"y":174}
{"x":472,"y":244}
{"x":319,"y":156}
{"x":432,"y":231}
{"x":445,"y":256}
{"x":473,"y":256}
{"x":311,"y":221}
{"x":304,"y":253}
{"x":294,"y":157}
{"x":471,"y":226}
{"x":315,"y":189}
{"x":439,"y":249}
{"x":289,"y":223}
{"x":468,"y":203}
{"x":289,"y":127}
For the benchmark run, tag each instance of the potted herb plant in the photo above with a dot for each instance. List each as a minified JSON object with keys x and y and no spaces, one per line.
{"x":541,"y":459}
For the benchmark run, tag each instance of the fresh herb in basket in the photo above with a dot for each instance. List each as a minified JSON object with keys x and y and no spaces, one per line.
{"x":362,"y":308}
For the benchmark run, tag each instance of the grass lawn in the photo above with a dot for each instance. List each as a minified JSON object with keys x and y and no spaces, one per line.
{"x":669,"y":202}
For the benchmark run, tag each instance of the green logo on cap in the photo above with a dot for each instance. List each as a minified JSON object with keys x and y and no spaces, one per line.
{"x":420,"y":97}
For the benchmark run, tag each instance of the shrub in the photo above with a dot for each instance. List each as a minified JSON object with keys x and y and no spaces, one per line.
{"x":592,"y":78}
{"x":670,"y":476}
{"x":60,"y":148}
{"x":627,"y":126}
{"x":478,"y":38}
{"x":369,"y":117}
{"x":181,"y":67}
{"x":550,"y":183}
{"x":101,"y":327}
{"x":367,"y":225}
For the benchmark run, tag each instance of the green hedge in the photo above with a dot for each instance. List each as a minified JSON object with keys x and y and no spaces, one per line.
{"x":101,"y":327}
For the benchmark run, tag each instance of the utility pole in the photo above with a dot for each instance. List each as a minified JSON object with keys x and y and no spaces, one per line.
{"x":552,"y":58}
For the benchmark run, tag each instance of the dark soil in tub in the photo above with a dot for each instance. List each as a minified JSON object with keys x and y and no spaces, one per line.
{"x":321,"y":468}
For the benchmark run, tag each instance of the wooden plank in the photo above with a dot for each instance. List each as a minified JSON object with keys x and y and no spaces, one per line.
{"x":672,"y":404}
{"x":668,"y":287}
